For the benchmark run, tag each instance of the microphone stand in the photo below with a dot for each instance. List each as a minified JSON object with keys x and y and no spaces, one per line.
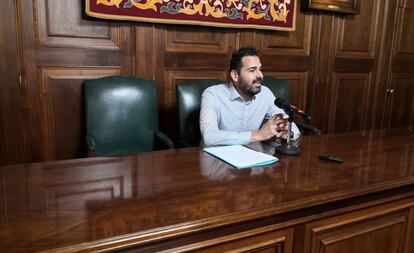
{"x":287,"y":148}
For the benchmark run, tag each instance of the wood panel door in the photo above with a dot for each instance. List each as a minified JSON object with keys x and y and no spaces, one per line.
{"x":12,"y":118}
{"x":348,"y":64}
{"x":60,"y":49}
{"x":399,"y":90}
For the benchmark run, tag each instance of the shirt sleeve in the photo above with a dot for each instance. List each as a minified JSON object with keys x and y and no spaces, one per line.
{"x":209,"y":124}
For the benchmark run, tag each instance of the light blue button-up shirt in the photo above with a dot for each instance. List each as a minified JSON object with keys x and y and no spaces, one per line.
{"x":226,"y":118}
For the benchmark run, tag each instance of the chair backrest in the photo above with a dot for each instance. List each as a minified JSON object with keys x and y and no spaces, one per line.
{"x":188,"y":110}
{"x":121,"y":114}
{"x":279,"y":87}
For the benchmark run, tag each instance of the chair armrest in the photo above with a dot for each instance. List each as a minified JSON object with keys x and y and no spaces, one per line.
{"x":163,"y":140}
{"x":90,"y":141}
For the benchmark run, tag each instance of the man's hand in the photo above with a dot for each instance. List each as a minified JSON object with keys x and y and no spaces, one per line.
{"x":282,"y":126}
{"x":276,"y":126}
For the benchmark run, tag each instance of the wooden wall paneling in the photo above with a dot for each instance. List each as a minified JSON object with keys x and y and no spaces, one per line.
{"x":145,"y":51}
{"x":403,"y":32}
{"x":30,"y":92}
{"x":354,"y":54}
{"x":159,"y":77}
{"x":186,"y":53}
{"x":358,"y":33}
{"x":63,"y":24}
{"x":293,"y":43}
{"x":401,"y":106}
{"x":246,"y":38}
{"x":298,"y":82}
{"x":58,"y":54}
{"x":381,"y":102}
{"x":400,"y":86}
{"x":350,"y":101}
{"x":62,"y":110}
{"x":197,"y":39}
{"x":405,"y":35}
{"x":127,"y":49}
{"x":11,"y":111}
{"x":323,"y":32}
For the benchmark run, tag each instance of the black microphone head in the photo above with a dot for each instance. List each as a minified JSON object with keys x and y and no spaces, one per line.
{"x":280,"y":103}
{"x":283,"y":105}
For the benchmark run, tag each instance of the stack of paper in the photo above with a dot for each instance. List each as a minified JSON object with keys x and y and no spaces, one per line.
{"x":240,"y":156}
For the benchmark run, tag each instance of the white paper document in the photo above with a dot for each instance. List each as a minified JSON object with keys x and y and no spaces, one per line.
{"x":240,"y":156}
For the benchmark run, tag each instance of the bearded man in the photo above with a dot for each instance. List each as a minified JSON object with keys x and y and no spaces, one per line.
{"x":233,"y":113}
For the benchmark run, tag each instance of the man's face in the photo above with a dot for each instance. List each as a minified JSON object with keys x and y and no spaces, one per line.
{"x":249,"y":81}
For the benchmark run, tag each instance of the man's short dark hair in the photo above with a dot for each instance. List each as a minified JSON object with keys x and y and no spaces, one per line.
{"x":237,"y":56}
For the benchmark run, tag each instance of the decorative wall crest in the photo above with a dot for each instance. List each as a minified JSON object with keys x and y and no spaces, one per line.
{"x":259,"y":14}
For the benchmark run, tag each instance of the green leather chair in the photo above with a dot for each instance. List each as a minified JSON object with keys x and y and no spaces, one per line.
{"x":121,"y":116}
{"x":188,"y":110}
{"x":279,"y":87}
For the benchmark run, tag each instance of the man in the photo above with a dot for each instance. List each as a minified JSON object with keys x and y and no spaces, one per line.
{"x":233,"y":113}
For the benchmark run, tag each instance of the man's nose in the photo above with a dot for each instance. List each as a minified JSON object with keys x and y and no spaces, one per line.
{"x":259,"y":74}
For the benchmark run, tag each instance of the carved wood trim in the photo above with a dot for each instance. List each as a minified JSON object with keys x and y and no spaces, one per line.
{"x":221,"y":44}
{"x":112,"y":40}
{"x":374,"y":37}
{"x":263,"y":39}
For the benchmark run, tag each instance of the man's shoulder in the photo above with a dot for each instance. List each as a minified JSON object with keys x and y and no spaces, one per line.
{"x":265,"y":93}
{"x":217,"y":89}
{"x":266,"y":89}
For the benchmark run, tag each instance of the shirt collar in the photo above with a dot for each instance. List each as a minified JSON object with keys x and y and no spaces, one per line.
{"x":235,"y":95}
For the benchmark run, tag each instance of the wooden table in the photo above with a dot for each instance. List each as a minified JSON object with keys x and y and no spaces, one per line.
{"x":184,"y":200}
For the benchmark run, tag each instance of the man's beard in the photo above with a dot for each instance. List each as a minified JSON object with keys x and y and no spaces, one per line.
{"x":250,"y":90}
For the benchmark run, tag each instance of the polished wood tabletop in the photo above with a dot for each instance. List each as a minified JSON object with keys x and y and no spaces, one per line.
{"x":86,"y":202}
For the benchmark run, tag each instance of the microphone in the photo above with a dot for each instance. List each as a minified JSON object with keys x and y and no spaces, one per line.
{"x":288,"y":108}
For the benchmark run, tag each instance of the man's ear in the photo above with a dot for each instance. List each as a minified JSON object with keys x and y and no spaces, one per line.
{"x":234,"y":75}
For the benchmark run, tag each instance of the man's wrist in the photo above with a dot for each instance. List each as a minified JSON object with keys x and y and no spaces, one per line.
{"x":256,"y":136}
